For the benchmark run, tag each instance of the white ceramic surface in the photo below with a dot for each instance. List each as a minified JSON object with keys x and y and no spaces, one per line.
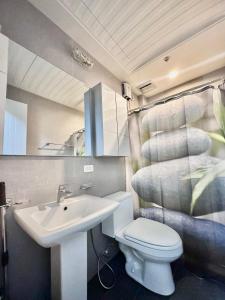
{"x":49,"y":224}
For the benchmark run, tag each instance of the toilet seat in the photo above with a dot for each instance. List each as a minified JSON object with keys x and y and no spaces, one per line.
{"x":152,"y":234}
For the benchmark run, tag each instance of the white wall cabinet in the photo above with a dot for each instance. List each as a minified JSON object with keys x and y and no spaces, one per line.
{"x":3,"y":53}
{"x":3,"y":83}
{"x":109,"y":129}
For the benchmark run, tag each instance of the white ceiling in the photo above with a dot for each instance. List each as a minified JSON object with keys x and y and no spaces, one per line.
{"x":137,"y":31}
{"x":202,"y":54}
{"x":127,"y":36}
{"x":31,"y":73}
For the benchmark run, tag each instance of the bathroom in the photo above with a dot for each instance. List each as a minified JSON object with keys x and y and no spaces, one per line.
{"x":112,"y":126}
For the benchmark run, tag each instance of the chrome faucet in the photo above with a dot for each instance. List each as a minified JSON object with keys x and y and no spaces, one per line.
{"x":86,"y":186}
{"x":63,"y":193}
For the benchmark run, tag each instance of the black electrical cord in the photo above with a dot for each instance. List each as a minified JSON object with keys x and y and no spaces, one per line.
{"x":100,"y":259}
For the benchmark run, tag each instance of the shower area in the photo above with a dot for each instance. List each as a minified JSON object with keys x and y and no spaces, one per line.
{"x":178,"y":172}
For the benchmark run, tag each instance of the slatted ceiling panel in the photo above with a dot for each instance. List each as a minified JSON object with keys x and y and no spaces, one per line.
{"x":100,"y":26}
{"x":126,"y":12}
{"x":106,"y":37}
{"x":66,"y":90}
{"x":52,"y":84}
{"x":158,"y":43}
{"x":35,"y":75}
{"x":136,"y":24}
{"x":165,"y":28}
{"x":74,"y":93}
{"x":136,"y":31}
{"x":135,"y":21}
{"x":160,"y":18}
{"x":92,"y":22}
{"x":69,"y":102}
{"x":172,"y":33}
{"x":170,"y":36}
{"x":59,"y":87}
{"x":16,"y":70}
{"x":55,"y":84}
{"x":175,"y":23}
{"x":109,"y":14}
{"x":97,"y":7}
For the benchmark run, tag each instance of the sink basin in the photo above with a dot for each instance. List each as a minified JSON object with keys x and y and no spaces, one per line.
{"x":50,"y":224}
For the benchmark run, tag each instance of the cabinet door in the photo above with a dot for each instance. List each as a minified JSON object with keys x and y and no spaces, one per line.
{"x":3,"y":84}
{"x":3,"y":53}
{"x":109,"y":121}
{"x":122,"y":124}
{"x":105,"y":121}
{"x":89,"y":111}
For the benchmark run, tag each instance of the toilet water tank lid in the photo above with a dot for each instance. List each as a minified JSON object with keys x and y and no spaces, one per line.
{"x":119,"y":196}
{"x":151,"y":232}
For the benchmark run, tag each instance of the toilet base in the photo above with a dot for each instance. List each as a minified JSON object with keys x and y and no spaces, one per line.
{"x":155,"y":276}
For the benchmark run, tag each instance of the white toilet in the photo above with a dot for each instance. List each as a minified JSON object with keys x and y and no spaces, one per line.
{"x":149,"y":246}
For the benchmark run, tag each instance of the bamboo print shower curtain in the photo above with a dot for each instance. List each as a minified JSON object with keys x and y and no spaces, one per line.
{"x":178,"y":151}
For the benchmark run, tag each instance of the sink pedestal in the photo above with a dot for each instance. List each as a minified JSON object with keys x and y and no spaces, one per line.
{"x":69,"y":268}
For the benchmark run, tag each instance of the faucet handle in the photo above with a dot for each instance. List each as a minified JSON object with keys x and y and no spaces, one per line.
{"x":68,"y":193}
{"x":86,"y":186}
{"x":8,"y":203}
{"x":61,"y":187}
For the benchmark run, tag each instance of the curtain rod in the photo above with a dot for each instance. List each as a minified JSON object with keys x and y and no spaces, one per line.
{"x":191,"y":91}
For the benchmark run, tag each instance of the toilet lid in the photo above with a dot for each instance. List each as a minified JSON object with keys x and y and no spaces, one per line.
{"x":147,"y":231}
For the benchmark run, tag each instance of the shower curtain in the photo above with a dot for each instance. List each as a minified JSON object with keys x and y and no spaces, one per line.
{"x":178,"y":172}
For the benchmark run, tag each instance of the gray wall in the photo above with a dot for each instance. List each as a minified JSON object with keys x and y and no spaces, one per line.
{"x":35,"y":180}
{"x":47,"y":121}
{"x":27,"y":26}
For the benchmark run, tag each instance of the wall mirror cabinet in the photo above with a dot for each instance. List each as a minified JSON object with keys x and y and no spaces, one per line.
{"x":42,"y":110}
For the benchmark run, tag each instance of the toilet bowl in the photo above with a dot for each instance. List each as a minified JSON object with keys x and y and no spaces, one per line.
{"x":149,"y":246}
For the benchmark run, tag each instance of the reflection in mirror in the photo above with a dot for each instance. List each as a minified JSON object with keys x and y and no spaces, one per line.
{"x":44,"y":111}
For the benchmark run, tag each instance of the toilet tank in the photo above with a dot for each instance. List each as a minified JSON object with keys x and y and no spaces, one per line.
{"x":121,"y":217}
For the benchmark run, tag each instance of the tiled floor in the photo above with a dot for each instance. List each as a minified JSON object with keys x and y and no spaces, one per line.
{"x":188,"y":286}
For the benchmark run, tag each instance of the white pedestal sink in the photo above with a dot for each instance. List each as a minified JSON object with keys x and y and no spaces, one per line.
{"x":63,"y":227}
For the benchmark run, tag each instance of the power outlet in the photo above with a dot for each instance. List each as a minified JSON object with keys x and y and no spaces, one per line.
{"x":88,"y":168}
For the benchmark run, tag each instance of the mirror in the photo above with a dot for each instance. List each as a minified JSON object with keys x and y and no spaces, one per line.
{"x":44,"y":111}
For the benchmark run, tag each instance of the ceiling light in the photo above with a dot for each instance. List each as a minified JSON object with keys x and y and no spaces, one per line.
{"x":173,"y":74}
